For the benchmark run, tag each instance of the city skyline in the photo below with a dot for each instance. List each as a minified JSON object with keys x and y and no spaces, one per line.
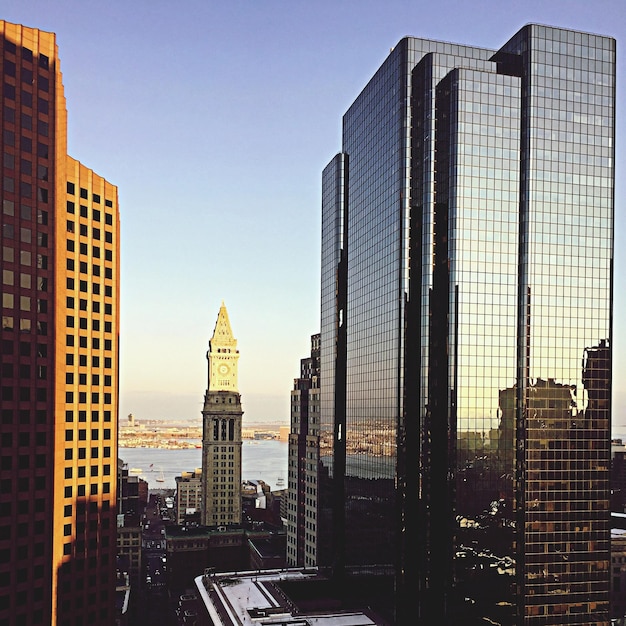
{"x":225,"y":125}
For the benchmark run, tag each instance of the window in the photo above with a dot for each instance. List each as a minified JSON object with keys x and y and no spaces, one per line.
{"x":71,"y":188}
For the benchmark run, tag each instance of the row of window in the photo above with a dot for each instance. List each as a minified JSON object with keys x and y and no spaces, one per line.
{"x":82,"y":361}
{"x":93,"y":489}
{"x":27,"y":54}
{"x":71,"y":189}
{"x":81,"y":507}
{"x":95,"y":342}
{"x":82,"y":398}
{"x":10,"y":90}
{"x":108,"y":291}
{"x":82,"y":434}
{"x":96,"y":234}
{"x":26,"y":394}
{"x":82,"y":416}
{"x":95,"y":324}
{"x":82,"y":379}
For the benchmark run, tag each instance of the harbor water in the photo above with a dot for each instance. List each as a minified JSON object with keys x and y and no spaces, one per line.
{"x":262,"y":459}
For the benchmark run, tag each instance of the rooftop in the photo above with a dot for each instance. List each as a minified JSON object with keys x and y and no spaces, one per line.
{"x":245,"y":597}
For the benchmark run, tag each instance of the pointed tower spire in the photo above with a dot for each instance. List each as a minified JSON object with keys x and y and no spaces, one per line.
{"x":223,"y":334}
{"x":223,"y":355}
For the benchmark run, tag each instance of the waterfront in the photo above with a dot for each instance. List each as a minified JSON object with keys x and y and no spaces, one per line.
{"x":264,"y":459}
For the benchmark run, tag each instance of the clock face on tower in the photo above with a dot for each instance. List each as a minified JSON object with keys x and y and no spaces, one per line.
{"x":223,"y":369}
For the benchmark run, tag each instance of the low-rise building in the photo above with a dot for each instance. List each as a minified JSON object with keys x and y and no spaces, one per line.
{"x":188,"y":495}
{"x":129,"y":549}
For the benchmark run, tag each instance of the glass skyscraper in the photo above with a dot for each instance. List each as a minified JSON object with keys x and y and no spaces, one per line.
{"x":467,"y":247}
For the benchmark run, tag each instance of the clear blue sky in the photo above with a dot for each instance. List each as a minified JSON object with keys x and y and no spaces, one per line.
{"x":215,"y":120}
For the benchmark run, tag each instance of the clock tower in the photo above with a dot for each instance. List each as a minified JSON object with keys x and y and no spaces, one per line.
{"x":221,"y":430}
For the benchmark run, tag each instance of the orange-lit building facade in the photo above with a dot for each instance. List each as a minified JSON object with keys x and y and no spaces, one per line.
{"x":59,"y":353}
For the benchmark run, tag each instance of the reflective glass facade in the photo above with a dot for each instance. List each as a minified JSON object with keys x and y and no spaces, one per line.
{"x":466,"y":325}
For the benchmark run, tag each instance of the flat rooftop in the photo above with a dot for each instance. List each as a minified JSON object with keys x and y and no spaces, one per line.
{"x":244,"y":598}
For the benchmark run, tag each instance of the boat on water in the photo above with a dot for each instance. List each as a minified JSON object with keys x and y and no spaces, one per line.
{"x":160,"y":478}
{"x":280,"y":481}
